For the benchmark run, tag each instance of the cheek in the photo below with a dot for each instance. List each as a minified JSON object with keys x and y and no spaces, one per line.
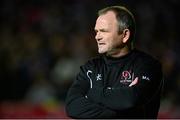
{"x":116,"y":41}
{"x":112,"y":40}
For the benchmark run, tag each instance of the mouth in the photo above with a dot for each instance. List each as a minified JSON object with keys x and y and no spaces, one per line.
{"x":101,"y":43}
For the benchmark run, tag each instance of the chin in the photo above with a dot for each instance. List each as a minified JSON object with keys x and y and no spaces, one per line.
{"x":101,"y":52}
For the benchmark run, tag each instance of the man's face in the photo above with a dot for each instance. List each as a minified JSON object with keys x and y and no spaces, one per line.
{"x":107,"y":36}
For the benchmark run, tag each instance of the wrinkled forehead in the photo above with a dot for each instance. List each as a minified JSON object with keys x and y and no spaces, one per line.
{"x":110,"y":15}
{"x":107,"y":19}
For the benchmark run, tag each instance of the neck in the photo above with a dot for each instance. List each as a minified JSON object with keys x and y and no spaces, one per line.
{"x":119,"y":52}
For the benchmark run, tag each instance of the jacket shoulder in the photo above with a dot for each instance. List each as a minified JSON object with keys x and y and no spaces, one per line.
{"x":145,"y":58}
{"x":93,"y":62}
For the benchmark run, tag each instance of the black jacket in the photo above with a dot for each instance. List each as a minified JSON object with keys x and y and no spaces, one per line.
{"x":101,"y":89}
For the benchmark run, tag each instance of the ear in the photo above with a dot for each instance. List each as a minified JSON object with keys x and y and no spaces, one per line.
{"x":126,"y":35}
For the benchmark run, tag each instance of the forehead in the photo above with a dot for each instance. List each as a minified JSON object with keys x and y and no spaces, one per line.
{"x":106,"y":20}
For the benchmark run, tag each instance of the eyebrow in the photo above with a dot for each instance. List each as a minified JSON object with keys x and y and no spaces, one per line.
{"x":102,"y":30}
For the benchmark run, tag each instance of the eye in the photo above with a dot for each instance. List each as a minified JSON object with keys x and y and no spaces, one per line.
{"x":104,"y":30}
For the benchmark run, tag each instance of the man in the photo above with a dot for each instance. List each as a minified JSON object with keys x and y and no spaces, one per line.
{"x":122,"y":82}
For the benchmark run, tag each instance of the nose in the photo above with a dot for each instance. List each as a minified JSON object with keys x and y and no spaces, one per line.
{"x":98,"y":37}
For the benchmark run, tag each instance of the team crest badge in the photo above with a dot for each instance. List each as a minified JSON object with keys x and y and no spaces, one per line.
{"x":126,"y":77}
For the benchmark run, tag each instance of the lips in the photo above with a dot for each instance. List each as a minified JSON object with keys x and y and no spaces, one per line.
{"x":101,"y":43}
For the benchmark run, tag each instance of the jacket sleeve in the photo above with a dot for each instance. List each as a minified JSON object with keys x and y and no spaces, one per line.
{"x":121,"y":97}
{"x":78,"y":105}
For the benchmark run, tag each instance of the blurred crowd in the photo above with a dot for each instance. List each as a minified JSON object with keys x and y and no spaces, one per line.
{"x":43,"y":43}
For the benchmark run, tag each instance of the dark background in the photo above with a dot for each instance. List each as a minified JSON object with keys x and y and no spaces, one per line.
{"x":43,"y":43}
